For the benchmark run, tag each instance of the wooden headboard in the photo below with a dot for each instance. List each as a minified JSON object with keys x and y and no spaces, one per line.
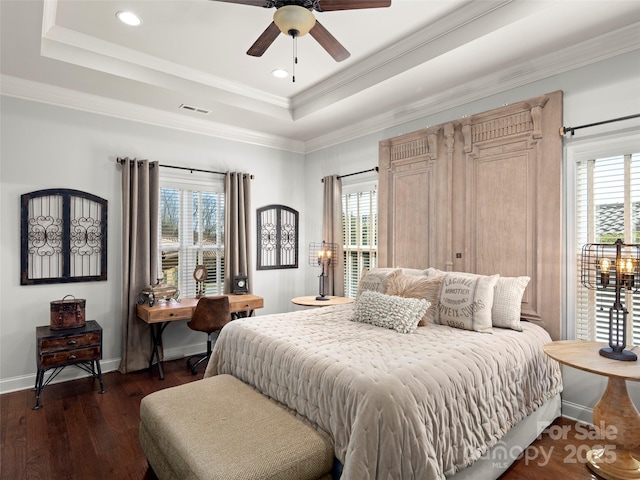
{"x":481,"y":194}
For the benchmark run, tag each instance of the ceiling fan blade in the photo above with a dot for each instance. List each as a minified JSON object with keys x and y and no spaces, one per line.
{"x":330,"y":5}
{"x":264,"y":41}
{"x":253,"y":3}
{"x":329,"y":42}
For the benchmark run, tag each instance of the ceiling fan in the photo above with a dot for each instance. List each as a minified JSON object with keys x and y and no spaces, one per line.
{"x":295,"y":18}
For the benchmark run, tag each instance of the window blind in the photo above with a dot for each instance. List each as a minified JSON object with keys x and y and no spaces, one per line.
{"x":192,"y":233}
{"x":607,"y":208}
{"x":360,"y":221}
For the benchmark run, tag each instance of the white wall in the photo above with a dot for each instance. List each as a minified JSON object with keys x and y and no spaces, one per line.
{"x":50,"y":147}
{"x":603,"y":91}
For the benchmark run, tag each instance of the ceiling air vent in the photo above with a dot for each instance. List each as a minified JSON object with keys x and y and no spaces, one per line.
{"x":204,"y":111}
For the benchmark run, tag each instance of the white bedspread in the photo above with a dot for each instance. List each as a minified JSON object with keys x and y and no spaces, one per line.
{"x":397,"y":406}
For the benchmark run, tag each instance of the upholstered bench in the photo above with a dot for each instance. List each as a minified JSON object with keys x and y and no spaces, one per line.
{"x":220,"y":428}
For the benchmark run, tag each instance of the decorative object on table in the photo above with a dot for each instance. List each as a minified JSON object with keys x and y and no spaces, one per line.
{"x":200,"y":275}
{"x":325,"y":256}
{"x":67,"y":313}
{"x":159,"y":292}
{"x":277,"y":237}
{"x":240,"y":284}
{"x":613,"y":266}
{"x":63,"y":237}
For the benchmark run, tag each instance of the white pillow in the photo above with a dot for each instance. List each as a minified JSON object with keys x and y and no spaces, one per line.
{"x":465,"y":302}
{"x":388,"y":311}
{"x":507,"y":302}
{"x":507,"y":299}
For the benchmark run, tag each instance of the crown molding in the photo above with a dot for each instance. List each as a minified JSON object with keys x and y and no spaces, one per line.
{"x":62,"y":97}
{"x":592,"y":51}
{"x":597,"y":49}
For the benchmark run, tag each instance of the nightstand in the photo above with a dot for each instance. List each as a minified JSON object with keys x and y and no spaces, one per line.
{"x":615,"y":408}
{"x":57,"y":349}
{"x":311,"y":301}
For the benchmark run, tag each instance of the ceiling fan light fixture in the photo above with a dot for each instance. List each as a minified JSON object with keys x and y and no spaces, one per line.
{"x":280,"y":73}
{"x":294,"y":20}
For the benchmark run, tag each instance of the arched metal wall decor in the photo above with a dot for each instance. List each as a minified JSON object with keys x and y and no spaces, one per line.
{"x":277,"y":237}
{"x":63,"y":237}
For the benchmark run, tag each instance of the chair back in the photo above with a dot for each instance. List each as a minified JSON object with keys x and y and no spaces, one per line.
{"x":211,"y":314}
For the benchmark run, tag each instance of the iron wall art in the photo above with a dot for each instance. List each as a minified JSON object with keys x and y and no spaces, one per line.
{"x":63,"y":237}
{"x":277,"y":237}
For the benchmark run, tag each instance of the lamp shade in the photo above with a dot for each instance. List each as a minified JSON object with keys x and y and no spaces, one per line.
{"x":294,"y":20}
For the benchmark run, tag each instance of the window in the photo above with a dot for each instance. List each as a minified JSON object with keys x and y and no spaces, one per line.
{"x":192,"y":233}
{"x":607,"y":208}
{"x":360,"y":220}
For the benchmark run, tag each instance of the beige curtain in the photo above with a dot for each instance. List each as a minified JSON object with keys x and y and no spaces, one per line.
{"x":140,"y":200}
{"x":237,"y":231}
{"x":332,"y":231}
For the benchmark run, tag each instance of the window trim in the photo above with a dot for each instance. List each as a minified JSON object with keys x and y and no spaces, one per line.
{"x":192,"y":181}
{"x":602,"y":146}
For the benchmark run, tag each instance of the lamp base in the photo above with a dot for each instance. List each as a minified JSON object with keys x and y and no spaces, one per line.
{"x":623,"y":355}
{"x":322,"y":298}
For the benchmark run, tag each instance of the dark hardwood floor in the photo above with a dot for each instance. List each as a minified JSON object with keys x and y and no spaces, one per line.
{"x":81,"y":434}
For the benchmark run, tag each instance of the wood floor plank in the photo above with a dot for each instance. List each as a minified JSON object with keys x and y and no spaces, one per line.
{"x":82,"y":434}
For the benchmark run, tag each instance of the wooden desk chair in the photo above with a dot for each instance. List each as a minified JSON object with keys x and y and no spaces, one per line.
{"x":210,"y":315}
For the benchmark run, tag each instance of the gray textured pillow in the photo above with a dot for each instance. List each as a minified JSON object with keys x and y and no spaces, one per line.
{"x":465,"y":302}
{"x":388,"y":311}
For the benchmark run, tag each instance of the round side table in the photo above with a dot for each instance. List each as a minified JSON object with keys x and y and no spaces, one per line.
{"x":311,"y":301}
{"x":615,"y":408}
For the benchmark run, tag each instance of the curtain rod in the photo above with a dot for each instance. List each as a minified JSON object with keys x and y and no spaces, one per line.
{"x":121,"y":161}
{"x":565,"y":130}
{"x":374,"y":169}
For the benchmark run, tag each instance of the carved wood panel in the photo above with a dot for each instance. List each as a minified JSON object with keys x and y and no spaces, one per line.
{"x":490,"y":185}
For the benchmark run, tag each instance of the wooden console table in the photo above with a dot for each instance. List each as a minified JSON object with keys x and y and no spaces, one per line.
{"x":162,"y":314}
{"x":615,"y":408}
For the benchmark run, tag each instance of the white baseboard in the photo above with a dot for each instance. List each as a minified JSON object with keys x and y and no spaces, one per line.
{"x":576,"y":412}
{"x":24,"y":382}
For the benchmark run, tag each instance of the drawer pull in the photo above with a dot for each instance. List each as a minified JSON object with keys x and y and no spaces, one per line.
{"x":171,"y":314}
{"x":72,"y":357}
{"x":72,"y":342}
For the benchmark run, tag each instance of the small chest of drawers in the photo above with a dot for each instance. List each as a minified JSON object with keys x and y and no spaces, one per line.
{"x":57,"y":349}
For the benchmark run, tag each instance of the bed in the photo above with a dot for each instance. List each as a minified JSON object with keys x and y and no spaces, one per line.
{"x":463,"y":394}
{"x":425,"y":404}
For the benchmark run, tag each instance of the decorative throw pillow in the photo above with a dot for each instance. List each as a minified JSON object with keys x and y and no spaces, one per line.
{"x":507,"y":302}
{"x":410,"y":286}
{"x":465,"y":302}
{"x":376,"y":279}
{"x":387,"y":311}
{"x":507,"y":298}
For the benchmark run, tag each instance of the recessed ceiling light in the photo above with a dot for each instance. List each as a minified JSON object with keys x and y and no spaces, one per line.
{"x":129,"y":18}
{"x":280,"y":73}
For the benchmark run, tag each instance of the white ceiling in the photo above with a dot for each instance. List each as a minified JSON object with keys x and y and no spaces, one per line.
{"x":414,"y":58}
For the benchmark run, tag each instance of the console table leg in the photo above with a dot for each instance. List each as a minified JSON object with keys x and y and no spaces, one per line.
{"x":615,"y":409}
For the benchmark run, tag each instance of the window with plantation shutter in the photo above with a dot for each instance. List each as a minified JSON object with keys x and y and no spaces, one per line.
{"x":607,"y":208}
{"x":360,"y":227}
{"x":192,"y":233}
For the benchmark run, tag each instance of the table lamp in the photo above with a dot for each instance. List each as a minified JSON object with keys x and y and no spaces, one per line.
{"x":613,"y":266}
{"x":325,"y":256}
